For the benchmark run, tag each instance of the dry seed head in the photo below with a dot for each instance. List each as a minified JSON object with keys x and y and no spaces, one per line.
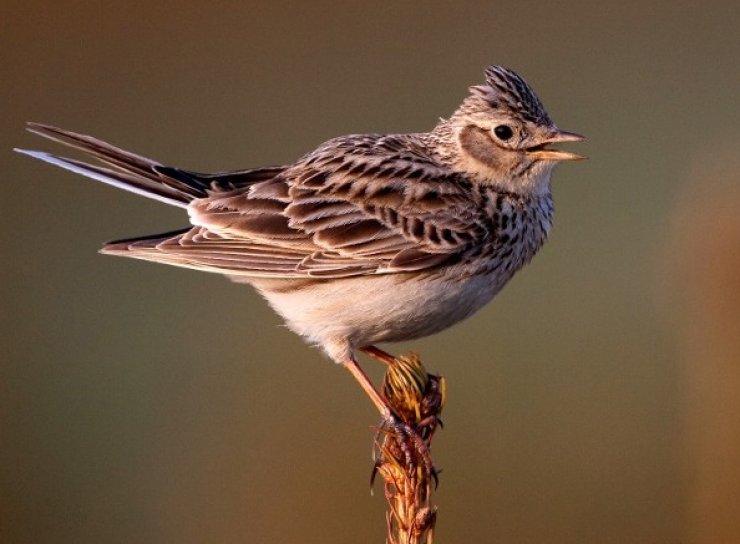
{"x":404,"y":386}
{"x":417,"y":398}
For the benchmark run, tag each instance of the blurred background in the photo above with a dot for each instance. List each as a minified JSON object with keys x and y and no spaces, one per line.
{"x":596,"y":400}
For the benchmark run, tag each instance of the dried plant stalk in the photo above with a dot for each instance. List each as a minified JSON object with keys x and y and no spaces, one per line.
{"x":417,"y":398}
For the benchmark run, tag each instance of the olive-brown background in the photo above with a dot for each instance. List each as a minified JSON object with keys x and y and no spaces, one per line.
{"x":594,"y":401}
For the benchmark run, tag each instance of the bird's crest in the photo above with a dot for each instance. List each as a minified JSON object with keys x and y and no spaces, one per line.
{"x":506,"y":90}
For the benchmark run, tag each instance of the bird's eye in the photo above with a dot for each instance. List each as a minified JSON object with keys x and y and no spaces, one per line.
{"x":503,"y":132}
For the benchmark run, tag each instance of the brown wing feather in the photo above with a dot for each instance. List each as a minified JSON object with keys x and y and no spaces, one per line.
{"x":202,"y":249}
{"x":357,"y":205}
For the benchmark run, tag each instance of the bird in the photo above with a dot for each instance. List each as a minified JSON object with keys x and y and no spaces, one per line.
{"x":369,"y":238}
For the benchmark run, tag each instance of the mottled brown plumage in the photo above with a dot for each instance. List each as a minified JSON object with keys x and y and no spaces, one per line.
{"x":368,"y":238}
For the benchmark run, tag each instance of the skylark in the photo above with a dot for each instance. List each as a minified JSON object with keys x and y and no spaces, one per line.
{"x":369,"y":238}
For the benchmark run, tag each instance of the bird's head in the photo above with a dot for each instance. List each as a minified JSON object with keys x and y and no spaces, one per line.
{"x":501,"y":135}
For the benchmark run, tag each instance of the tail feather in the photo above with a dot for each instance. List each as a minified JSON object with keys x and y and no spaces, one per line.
{"x":103,"y":151}
{"x":151,"y":179}
{"x":130,"y":172}
{"x":121,"y":179}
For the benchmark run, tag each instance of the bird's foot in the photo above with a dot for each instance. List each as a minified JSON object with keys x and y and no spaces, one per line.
{"x":405,"y":441}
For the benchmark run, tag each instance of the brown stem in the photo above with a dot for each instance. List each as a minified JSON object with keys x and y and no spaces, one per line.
{"x":403,"y":461}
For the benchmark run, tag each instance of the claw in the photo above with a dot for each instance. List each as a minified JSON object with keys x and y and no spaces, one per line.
{"x":374,"y":473}
{"x":435,"y":477}
{"x":421,"y":448}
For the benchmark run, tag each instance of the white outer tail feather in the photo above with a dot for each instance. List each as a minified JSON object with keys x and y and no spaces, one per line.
{"x":97,"y":173}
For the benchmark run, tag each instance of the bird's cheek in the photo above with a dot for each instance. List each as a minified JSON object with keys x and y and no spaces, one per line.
{"x":477,"y":144}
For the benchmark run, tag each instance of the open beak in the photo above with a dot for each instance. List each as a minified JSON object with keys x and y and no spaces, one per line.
{"x":543,"y":152}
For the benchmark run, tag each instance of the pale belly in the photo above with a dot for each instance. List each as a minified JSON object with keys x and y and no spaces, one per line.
{"x":342,"y":315}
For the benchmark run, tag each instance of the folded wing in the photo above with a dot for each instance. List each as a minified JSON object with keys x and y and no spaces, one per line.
{"x":358,"y":205}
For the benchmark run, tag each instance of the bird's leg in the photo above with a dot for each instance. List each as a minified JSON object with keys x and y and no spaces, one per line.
{"x":391,"y":421}
{"x":358,"y":374}
{"x":379,"y":355}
